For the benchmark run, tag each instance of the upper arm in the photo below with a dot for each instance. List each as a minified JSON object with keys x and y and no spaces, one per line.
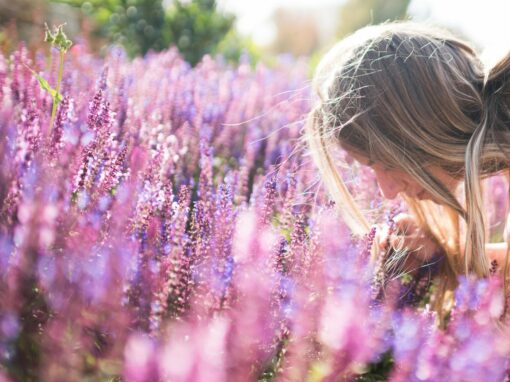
{"x":497,"y":251}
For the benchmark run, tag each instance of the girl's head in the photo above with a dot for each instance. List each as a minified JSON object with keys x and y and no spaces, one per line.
{"x":413,"y":102}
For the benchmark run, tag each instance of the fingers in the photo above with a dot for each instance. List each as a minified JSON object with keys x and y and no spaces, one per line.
{"x":404,"y":235}
{"x":404,"y":222}
{"x":381,"y":235}
{"x":408,"y":244}
{"x":383,"y":238}
{"x":398,"y":242}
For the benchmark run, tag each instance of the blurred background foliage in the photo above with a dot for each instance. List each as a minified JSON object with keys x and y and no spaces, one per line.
{"x":195,"y":27}
{"x":358,"y":13}
{"x":138,"y":25}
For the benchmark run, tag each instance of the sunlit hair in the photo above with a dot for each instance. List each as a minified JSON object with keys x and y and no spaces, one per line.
{"x":408,"y":96}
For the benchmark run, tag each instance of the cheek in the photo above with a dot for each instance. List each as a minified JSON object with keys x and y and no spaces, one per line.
{"x":411,"y":183}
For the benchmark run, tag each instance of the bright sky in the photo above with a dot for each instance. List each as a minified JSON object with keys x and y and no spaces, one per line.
{"x":485,"y":22}
{"x":254,"y":16}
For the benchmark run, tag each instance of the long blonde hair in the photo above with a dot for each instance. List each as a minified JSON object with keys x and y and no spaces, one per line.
{"x":409,"y":95}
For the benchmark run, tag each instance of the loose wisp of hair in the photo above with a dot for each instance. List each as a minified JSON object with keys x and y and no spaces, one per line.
{"x":408,"y":96}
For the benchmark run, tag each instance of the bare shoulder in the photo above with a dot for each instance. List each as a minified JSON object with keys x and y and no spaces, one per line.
{"x":497,"y":253}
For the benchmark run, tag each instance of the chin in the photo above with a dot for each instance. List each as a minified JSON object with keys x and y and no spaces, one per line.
{"x":423,"y":195}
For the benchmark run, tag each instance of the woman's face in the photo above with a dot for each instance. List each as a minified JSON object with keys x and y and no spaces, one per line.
{"x":393,"y":181}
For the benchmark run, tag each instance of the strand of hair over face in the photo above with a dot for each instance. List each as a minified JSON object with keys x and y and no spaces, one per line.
{"x":474,"y":113}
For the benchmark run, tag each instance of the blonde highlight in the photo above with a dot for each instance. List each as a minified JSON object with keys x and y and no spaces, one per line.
{"x":410,"y":96}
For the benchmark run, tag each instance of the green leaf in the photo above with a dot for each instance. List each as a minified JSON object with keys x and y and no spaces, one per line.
{"x":46,"y":86}
{"x":57,"y":38}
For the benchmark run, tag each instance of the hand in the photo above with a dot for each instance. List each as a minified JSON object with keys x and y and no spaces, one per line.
{"x":419,"y":246}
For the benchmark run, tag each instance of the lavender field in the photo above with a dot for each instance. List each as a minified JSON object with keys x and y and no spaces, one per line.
{"x":171,"y":226}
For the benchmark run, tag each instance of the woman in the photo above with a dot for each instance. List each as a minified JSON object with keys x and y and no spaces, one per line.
{"x":416,"y":104}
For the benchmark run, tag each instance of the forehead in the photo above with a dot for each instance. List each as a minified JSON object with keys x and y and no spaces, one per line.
{"x":358,"y":156}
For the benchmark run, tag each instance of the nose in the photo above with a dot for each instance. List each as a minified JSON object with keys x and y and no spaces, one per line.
{"x":389,"y":185}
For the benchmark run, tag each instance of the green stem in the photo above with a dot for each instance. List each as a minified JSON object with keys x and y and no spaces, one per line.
{"x":59,"y":79}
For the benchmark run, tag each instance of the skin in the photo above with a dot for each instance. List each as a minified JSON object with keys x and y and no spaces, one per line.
{"x":391,"y":182}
